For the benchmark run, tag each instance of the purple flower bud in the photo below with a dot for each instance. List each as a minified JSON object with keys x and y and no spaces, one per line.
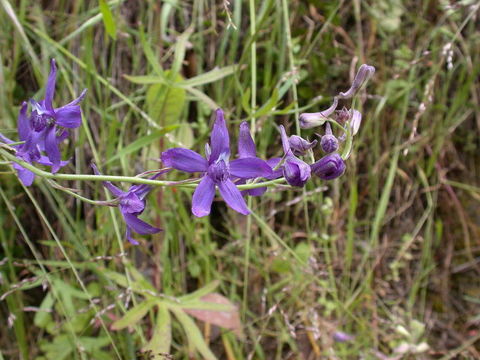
{"x":364,"y":73}
{"x":299,"y":145}
{"x":329,"y":142}
{"x":311,"y":120}
{"x":329,"y":167}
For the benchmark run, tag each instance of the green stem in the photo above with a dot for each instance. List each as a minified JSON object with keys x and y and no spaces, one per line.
{"x":128,"y":179}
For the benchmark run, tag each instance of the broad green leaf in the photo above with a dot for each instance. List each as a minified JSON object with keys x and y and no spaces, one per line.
{"x":209,"y":77}
{"x":194,"y":335}
{"x":142,"y":142}
{"x":134,"y":315}
{"x":108,"y":21}
{"x":165,"y":103}
{"x":162,"y":333}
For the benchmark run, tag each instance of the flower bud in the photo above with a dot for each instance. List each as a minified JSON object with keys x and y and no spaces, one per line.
{"x":329,"y":142}
{"x":299,"y":145}
{"x":329,"y":167}
{"x":311,"y":120}
{"x":364,"y":73}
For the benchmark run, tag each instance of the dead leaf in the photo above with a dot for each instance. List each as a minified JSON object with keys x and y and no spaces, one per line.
{"x":226,"y":319}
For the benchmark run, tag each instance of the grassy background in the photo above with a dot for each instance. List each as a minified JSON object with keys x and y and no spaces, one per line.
{"x":388,"y":253}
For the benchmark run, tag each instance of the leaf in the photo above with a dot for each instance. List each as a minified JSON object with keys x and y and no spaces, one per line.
{"x":108,"y":21}
{"x":180,"y":49}
{"x":270,"y":105}
{"x":226,"y":319}
{"x":134,"y":315}
{"x":209,"y":77}
{"x":194,"y":335}
{"x":43,"y":317}
{"x":142,"y":142}
{"x":162,"y":333}
{"x":210,"y":287}
{"x":165,"y":103}
{"x":146,"y":79}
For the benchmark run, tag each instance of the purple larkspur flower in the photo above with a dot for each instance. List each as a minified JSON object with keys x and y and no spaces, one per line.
{"x":28,"y":151}
{"x":132,"y":204}
{"x":299,"y":145}
{"x":329,"y":167}
{"x":217,"y":170}
{"x":248,"y":149}
{"x":295,"y":171}
{"x":46,"y":119}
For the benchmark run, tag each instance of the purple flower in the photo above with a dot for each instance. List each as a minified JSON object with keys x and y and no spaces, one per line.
{"x":329,"y":167}
{"x":247,"y":149}
{"x":295,"y":171}
{"x":217,"y":170}
{"x":29,"y":150}
{"x":46,"y":119}
{"x":329,"y":142}
{"x":300,"y":146}
{"x":132,"y":204}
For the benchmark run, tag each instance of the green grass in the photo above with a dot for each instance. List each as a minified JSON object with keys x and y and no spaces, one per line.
{"x":387,"y":253}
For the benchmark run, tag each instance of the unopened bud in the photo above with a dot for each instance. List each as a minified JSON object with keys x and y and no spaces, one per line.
{"x":364,"y":73}
{"x":329,"y":167}
{"x":311,"y":120}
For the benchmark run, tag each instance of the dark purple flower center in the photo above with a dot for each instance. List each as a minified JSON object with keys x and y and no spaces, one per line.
{"x":218,"y":171}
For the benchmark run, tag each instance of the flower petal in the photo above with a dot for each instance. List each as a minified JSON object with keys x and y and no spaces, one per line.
{"x":139,"y":226}
{"x":132,"y":204}
{"x":219,"y":140}
{"x":23,"y":125}
{"x":273,"y":163}
{"x":128,"y":235}
{"x":256,"y":192}
{"x":184,"y":160}
{"x":50,"y":88}
{"x":249,"y":168}
{"x":203,"y":197}
{"x":296,"y":171}
{"x":77,"y":100}
{"x":5,"y":140}
{"x":232,"y":196}
{"x":51,"y":148}
{"x":43,"y":160}
{"x":113,"y":189}
{"x":246,"y":145}
{"x":285,"y":142}
{"x":69,"y":116}
{"x":26,"y":176}
{"x":143,"y":189}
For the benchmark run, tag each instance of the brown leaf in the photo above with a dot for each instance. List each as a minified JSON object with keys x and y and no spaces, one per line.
{"x":225,"y":319}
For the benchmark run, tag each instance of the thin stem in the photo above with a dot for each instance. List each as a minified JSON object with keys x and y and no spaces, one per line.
{"x":128,"y":179}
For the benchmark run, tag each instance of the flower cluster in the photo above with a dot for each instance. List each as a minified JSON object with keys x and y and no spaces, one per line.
{"x":41,"y":132}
